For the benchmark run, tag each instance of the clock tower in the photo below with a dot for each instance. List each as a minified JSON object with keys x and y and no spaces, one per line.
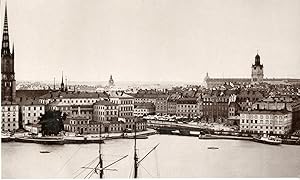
{"x":8,"y":82}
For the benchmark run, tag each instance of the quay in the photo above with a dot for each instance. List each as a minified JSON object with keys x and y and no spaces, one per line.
{"x":83,"y":139}
{"x":217,"y":135}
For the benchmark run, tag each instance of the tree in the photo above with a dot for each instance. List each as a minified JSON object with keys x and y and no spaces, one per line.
{"x":52,"y":122}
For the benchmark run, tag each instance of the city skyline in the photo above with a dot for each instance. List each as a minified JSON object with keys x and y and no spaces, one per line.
{"x":149,"y":41}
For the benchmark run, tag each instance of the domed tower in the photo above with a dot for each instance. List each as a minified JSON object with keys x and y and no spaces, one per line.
{"x":111,"y":81}
{"x":257,"y":70}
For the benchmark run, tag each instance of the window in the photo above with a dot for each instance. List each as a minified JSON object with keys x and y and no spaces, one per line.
{"x":28,"y":114}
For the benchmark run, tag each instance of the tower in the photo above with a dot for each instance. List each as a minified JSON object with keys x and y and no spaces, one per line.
{"x":257,"y":70}
{"x":8,"y":82}
{"x":111,"y":81}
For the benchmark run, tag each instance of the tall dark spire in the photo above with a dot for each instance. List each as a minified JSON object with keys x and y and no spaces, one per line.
{"x":5,"y":38}
{"x":66,"y":87}
{"x":8,"y":82}
{"x":62,"y":86}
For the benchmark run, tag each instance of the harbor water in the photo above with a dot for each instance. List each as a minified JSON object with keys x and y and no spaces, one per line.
{"x":176,"y":156}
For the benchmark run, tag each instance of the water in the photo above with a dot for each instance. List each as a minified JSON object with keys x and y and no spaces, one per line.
{"x":176,"y":156}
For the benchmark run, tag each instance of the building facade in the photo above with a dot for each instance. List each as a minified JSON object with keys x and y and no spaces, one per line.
{"x":10,"y":117}
{"x":142,"y":109}
{"x":125,"y":103}
{"x":276,"y":122}
{"x":187,"y":107}
{"x":105,"y":111}
{"x":31,"y":112}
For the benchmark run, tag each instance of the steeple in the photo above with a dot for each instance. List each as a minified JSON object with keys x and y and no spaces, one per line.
{"x":66,"y":88}
{"x":5,"y":38}
{"x":62,"y":86}
{"x":8,"y":82}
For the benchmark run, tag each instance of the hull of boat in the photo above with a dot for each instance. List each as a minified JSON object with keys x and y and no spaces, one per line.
{"x":266,"y":141}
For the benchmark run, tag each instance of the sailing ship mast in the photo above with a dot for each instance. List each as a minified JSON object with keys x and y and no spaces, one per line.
{"x":136,"y":159}
{"x":100,"y":155}
{"x":135,"y":154}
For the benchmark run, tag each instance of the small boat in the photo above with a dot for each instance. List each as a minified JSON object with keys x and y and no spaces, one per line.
{"x":212,"y":148}
{"x":44,"y":151}
{"x":268,"y":140}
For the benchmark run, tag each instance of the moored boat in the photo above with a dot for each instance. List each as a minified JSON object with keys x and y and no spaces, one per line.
{"x":268,"y":140}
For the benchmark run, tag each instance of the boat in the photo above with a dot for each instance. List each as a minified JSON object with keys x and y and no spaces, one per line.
{"x":44,"y":151}
{"x":49,"y":140}
{"x":212,"y":148}
{"x":268,"y":140}
{"x":137,"y":137}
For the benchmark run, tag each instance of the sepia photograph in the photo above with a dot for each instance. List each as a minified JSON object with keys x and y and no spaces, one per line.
{"x":150,"y":89}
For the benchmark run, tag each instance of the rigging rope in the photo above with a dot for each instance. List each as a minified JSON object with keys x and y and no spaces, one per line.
{"x":156,"y":162}
{"x":145,"y":170}
{"x":67,"y":161}
{"x":86,"y":166}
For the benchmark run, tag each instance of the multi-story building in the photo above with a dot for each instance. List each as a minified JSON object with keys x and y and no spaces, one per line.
{"x":82,"y":111}
{"x":73,"y":98}
{"x":187,"y":107}
{"x":172,"y":103}
{"x":31,"y":111}
{"x":105,"y":111}
{"x":60,"y":106}
{"x":142,"y":109}
{"x":214,"y":106}
{"x":83,"y":125}
{"x":10,"y":116}
{"x":161,"y":105}
{"x":125,"y":103}
{"x":266,"y":121}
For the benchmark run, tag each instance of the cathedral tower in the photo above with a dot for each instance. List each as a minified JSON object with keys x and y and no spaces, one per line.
{"x":8,"y":82}
{"x":257,"y":70}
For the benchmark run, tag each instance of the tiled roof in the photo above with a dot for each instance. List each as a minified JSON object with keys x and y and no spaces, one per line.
{"x":76,"y":95}
{"x":105,"y":103}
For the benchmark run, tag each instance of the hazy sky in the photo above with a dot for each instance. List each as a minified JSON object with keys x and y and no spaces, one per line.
{"x":153,"y":40}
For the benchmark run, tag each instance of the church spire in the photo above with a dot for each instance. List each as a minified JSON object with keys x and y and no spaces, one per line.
{"x":66,"y":88}
{"x":62,"y":86}
{"x":5,"y":39}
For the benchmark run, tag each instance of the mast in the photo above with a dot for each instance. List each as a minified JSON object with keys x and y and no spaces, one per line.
{"x":135,"y":154}
{"x":100,"y":155}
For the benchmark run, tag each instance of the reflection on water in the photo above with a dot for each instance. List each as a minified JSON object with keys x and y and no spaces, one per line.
{"x":176,"y":156}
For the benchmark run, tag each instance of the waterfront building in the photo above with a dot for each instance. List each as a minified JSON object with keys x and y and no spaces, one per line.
{"x":214,"y":106}
{"x":83,"y":125}
{"x":125,"y":103}
{"x":142,"y":109}
{"x":63,"y":107}
{"x":105,"y":111}
{"x":187,"y":107}
{"x":31,"y":111}
{"x":10,"y":116}
{"x":276,"y":122}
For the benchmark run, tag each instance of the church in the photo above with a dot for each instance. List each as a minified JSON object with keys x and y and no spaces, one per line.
{"x":257,"y":76}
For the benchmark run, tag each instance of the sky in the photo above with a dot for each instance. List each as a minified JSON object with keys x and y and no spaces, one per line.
{"x":153,"y":40}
